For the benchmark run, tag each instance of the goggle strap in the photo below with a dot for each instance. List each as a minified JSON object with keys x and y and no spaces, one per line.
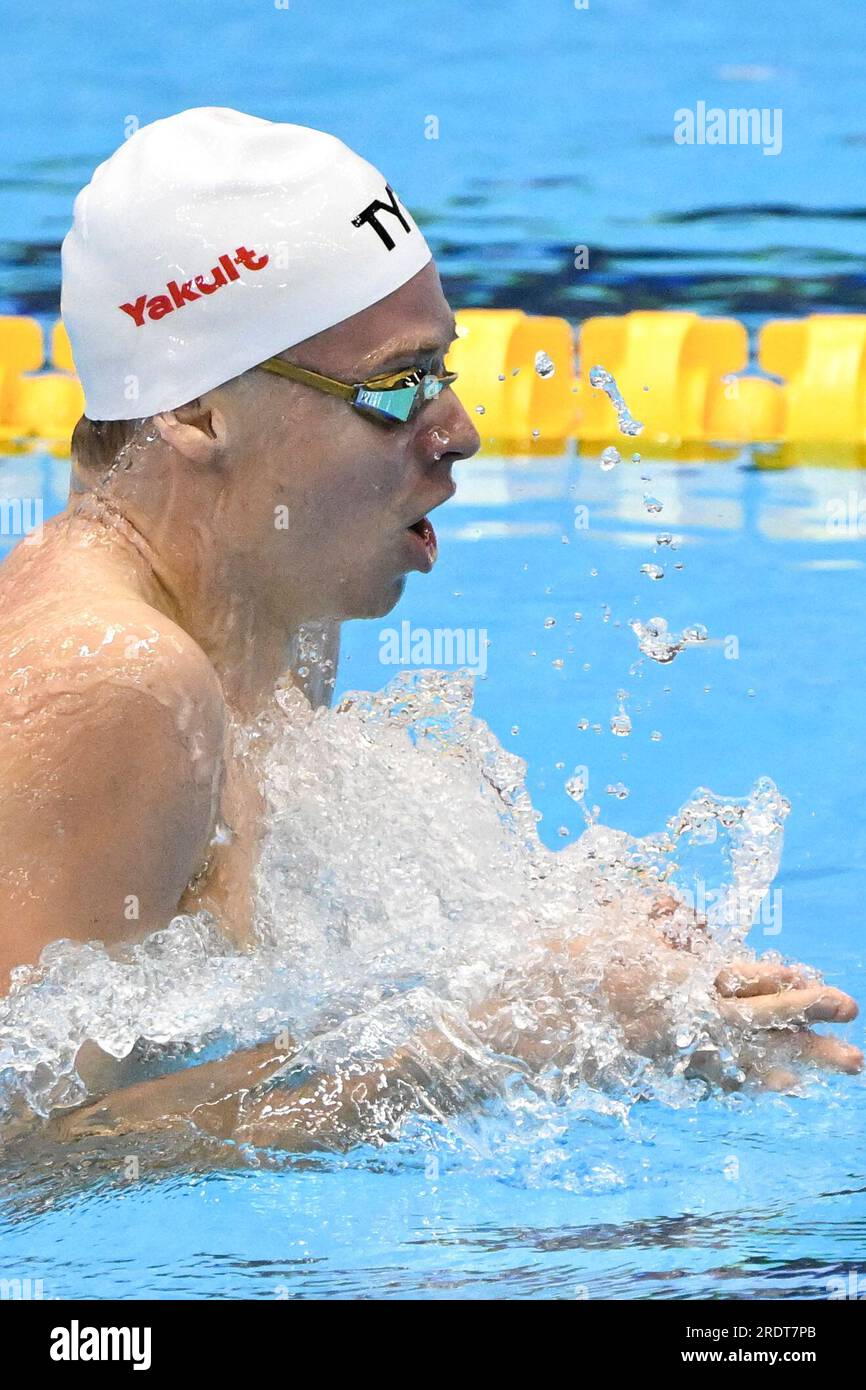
{"x":292,"y":372}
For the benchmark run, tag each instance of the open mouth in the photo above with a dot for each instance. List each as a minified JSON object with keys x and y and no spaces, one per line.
{"x":423,"y":529}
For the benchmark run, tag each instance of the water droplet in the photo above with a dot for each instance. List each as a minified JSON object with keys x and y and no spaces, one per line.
{"x":696,"y":633}
{"x":576,"y":784}
{"x":558,"y":663}
{"x":664,"y":538}
{"x":620,"y":725}
{"x":480,"y":410}
{"x":583,"y":724}
{"x":515,"y":729}
{"x":550,"y":622}
{"x":656,"y":736}
{"x":610,"y":457}
{"x":652,"y":571}
{"x":617,"y":789}
{"x":602,"y":380}
{"x":441,"y":440}
{"x":544,"y":366}
{"x":655,"y":641}
{"x":652,"y":504}
{"x":564,"y":831}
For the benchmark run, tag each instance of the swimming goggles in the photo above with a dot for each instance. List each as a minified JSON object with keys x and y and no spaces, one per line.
{"x":392,"y":397}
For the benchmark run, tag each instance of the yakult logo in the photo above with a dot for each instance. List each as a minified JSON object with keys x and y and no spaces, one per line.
{"x":158,"y":305}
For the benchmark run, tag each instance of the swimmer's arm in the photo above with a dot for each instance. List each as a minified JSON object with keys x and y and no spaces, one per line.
{"x":230,"y":1098}
{"x":209,"y":1095}
{"x":255,"y":1097}
{"x":770,"y":1003}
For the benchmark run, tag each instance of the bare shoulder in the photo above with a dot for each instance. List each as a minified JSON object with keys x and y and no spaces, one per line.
{"x":64,"y":647}
{"x":112,"y":727}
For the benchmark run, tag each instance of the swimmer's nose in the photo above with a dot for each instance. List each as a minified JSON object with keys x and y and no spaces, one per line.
{"x":448,"y":432}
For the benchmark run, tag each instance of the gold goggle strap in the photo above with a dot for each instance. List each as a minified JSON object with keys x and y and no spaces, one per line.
{"x":308,"y":378}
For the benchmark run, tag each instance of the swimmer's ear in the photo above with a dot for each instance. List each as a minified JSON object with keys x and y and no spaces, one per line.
{"x":197,"y":430}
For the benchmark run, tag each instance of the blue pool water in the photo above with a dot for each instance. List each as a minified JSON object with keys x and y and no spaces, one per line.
{"x":554,"y":130}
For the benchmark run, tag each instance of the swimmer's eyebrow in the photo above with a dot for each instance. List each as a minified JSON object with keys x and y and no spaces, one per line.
{"x":404,"y":351}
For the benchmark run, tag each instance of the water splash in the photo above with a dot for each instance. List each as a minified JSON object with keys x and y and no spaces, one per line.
{"x":661,"y":645}
{"x":602,"y":380}
{"x":402,"y":882}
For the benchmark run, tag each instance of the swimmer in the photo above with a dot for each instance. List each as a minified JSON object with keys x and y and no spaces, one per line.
{"x":261,"y":334}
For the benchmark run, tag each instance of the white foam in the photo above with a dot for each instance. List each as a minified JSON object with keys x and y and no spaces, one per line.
{"x":401,"y":882}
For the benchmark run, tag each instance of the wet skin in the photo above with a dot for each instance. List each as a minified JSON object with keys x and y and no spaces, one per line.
{"x":156,"y":615}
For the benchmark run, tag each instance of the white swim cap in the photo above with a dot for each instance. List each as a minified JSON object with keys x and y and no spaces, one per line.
{"x":212,"y":240}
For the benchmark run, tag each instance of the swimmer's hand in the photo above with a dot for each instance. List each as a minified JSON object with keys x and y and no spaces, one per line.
{"x":764,"y":1007}
{"x":770,"y":1005}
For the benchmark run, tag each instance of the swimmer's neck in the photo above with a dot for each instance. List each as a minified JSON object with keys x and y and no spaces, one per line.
{"x":216,"y":601}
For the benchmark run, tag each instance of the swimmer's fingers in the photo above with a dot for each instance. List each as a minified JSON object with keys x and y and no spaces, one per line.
{"x":745,"y":978}
{"x":831,"y":1054}
{"x":770,"y":1064}
{"x":817,"y":1004}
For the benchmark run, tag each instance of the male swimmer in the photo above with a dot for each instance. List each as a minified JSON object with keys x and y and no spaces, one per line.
{"x":261,"y":334}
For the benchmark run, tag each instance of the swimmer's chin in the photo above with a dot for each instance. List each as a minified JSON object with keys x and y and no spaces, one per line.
{"x":379,"y":605}
{"x":375,"y":598}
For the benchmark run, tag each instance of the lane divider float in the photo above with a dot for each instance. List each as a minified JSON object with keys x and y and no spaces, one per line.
{"x":525,"y":379}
